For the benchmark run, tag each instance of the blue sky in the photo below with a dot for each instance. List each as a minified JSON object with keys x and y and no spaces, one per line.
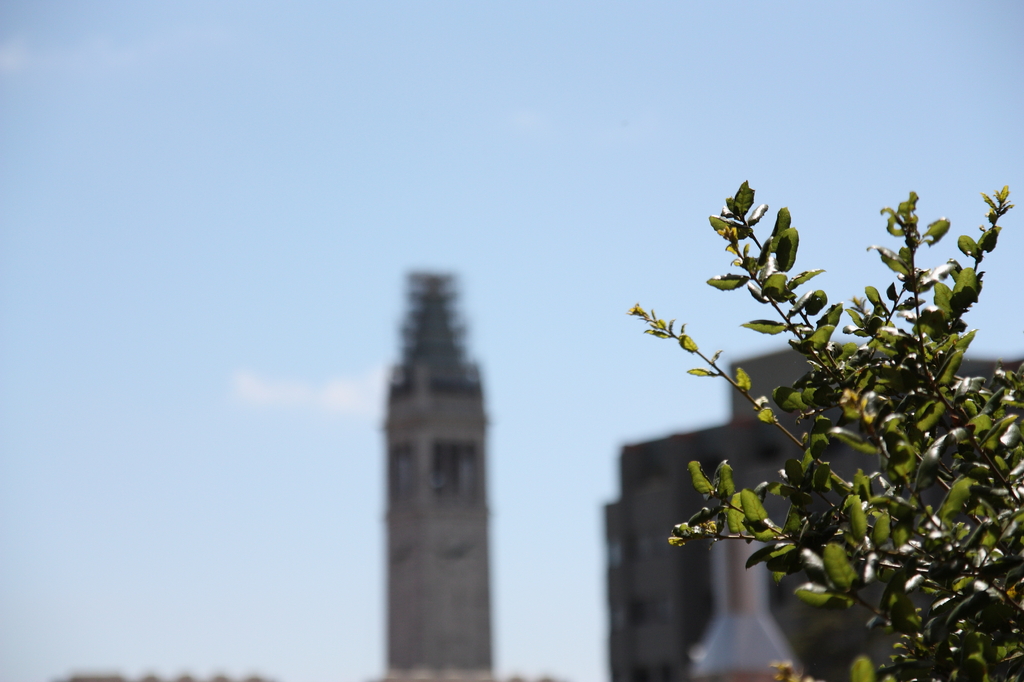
{"x":208,"y":213}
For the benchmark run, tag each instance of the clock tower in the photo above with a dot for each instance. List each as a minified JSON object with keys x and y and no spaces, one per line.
{"x":439,"y":615}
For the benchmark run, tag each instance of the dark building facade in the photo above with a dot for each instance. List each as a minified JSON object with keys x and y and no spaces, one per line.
{"x":439,"y":617}
{"x":661,"y":598}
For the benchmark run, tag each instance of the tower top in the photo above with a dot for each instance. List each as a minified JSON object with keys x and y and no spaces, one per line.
{"x":432,"y":337}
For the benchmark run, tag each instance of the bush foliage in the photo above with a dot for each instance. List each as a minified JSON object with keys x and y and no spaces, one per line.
{"x":936,"y":515}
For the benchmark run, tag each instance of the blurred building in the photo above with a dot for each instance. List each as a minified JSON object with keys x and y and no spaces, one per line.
{"x":661,"y":598}
{"x":667,"y":614}
{"x":439,"y":615}
{"x":153,"y":678}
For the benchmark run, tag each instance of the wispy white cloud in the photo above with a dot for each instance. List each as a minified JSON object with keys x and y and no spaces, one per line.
{"x":13,"y":56}
{"x":529,"y":121}
{"x":360,"y":396}
{"x":99,"y":53}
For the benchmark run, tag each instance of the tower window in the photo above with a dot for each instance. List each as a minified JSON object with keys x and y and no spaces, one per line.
{"x":402,"y":474}
{"x":454,"y":471}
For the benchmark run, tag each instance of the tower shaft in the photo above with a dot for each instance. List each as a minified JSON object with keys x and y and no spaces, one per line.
{"x":439,"y":622}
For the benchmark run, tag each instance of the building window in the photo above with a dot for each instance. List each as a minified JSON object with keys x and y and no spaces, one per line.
{"x":454,"y":472}
{"x":650,"y":611}
{"x":402,"y":472}
{"x":614,"y":553}
{"x":618,"y":617}
{"x":642,"y":546}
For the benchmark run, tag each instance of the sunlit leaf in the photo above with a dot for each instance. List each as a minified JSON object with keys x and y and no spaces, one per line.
{"x":753,"y":510}
{"x":744,"y":199}
{"x":936,"y":231}
{"x":968,"y":246}
{"x":700,"y":482}
{"x":742,"y":379}
{"x":787,"y":243}
{"x":838,"y":567}
{"x":765,"y":326}
{"x":822,"y":599}
{"x":728,"y":282}
{"x":862,"y":670}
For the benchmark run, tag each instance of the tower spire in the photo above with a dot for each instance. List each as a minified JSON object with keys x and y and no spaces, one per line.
{"x":439,"y":618}
{"x":433,"y":338}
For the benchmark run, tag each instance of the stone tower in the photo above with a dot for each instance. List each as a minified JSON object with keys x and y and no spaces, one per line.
{"x":439,"y":614}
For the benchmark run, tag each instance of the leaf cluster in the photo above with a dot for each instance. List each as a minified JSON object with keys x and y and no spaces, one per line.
{"x":935,"y":515}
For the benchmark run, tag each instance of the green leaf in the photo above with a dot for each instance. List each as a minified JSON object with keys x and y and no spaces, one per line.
{"x":994,"y":436}
{"x":822,"y":480}
{"x":724,"y":486}
{"x":838,"y":567}
{"x":794,"y":472}
{"x":803,"y":277}
{"x":903,"y":614}
{"x":858,"y":519}
{"x":936,"y":231}
{"x":893,"y":261}
{"x":819,"y":437}
{"x":956,"y":498}
{"x":987,"y":241}
{"x":765,"y":326}
{"x":688,"y":344}
{"x":950,"y":367}
{"x":782,"y":221}
{"x":728,"y":282}
{"x":768,"y":534}
{"x":787,"y":243}
{"x":766,"y":415}
{"x":929,"y":466}
{"x":721,"y":226}
{"x":862,"y":485}
{"x":930,"y":415}
{"x":753,"y":510}
{"x":813,"y":566}
{"x":774,"y":287}
{"x":700,"y":482}
{"x":744,"y":199}
{"x":734,"y":516}
{"x":703,"y":515}
{"x":823,"y":599}
{"x":784,"y":558}
{"x":700,"y":372}
{"x":793,"y":520}
{"x":965,"y":293}
{"x":788,"y":399}
{"x":965,"y":341}
{"x":880,"y":532}
{"x":943,"y":297}
{"x":831,"y":315}
{"x":853,"y":440}
{"x":742,"y":379}
{"x":932,"y":322}
{"x":760,"y":555}
{"x":758,"y":213}
{"x":968,"y":246}
{"x":822,"y":336}
{"x":901,"y":533}
{"x":862,"y":670}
